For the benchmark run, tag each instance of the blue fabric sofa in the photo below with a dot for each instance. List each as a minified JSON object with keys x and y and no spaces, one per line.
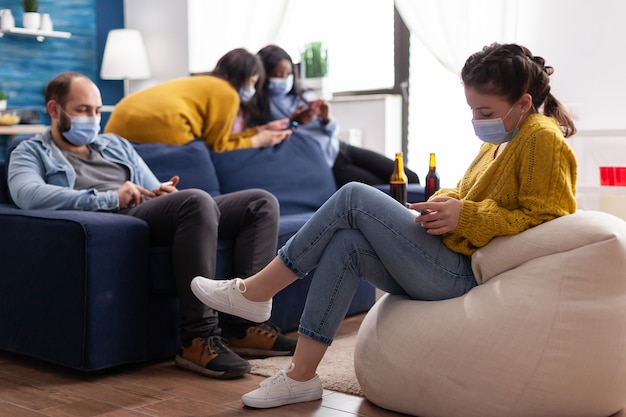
{"x":86,"y":290}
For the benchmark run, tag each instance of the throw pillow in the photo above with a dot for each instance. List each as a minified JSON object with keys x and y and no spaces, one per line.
{"x":295,"y":171}
{"x":191,"y":162}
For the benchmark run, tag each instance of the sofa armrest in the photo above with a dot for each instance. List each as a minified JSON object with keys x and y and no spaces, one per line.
{"x":63,"y":269}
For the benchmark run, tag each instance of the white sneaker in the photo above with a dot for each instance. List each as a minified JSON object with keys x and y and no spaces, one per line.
{"x":281,"y":390}
{"x":227,"y":297}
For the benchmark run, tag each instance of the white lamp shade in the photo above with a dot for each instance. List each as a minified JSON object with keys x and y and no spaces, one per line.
{"x":125,"y":56}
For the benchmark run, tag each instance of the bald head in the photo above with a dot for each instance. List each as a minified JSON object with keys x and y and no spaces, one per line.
{"x":60,"y":87}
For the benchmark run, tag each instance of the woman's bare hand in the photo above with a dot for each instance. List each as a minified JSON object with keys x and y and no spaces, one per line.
{"x":267,"y":138}
{"x":275,"y":125}
{"x":443,"y":214}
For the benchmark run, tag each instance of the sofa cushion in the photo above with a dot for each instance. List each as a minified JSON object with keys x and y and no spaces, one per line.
{"x":295,"y":171}
{"x":543,"y":335}
{"x":191,"y":162}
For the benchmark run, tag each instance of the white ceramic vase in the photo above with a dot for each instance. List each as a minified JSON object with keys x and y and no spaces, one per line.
{"x":6,"y":19}
{"x":46,"y":23}
{"x":31,"y":20}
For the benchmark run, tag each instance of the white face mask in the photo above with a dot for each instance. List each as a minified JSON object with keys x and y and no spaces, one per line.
{"x":83,"y":129}
{"x":493,"y":130}
{"x":246,"y":94}
{"x":280,"y":86}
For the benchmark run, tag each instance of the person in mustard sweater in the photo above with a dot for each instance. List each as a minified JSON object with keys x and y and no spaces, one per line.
{"x":204,"y":106}
{"x":523,"y":175}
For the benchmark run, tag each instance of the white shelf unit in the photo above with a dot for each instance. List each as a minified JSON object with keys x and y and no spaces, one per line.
{"x":40,"y":35}
{"x":593,"y":149}
{"x":373,"y":121}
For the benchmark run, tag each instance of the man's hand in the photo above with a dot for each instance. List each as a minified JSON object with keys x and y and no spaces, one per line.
{"x":443,"y":214}
{"x":167,"y":187}
{"x":131,"y":195}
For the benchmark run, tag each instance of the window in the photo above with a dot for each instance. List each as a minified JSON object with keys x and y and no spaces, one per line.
{"x":359,"y":36}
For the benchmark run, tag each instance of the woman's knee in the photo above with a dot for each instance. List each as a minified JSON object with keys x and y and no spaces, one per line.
{"x":357,"y":189}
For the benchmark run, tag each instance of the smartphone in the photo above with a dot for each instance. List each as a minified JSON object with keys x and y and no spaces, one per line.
{"x":314,"y":105}
{"x":408,"y":205}
{"x":293,"y":125}
{"x":166,"y":183}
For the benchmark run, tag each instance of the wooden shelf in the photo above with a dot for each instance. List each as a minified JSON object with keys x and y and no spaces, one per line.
{"x":40,"y":35}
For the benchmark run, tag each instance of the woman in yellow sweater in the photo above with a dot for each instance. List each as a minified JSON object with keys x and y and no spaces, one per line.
{"x":523,"y":175}
{"x":178,"y":111}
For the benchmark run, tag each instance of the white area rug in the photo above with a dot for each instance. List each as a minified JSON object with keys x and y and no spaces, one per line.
{"x":336,"y":369}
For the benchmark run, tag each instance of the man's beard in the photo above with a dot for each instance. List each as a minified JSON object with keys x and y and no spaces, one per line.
{"x":64,"y":125}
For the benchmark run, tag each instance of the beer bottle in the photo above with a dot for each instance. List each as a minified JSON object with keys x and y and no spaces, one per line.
{"x":398,"y":180}
{"x":432,"y":178}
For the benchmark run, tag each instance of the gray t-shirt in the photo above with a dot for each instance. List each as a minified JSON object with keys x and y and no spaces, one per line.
{"x":96,"y":172}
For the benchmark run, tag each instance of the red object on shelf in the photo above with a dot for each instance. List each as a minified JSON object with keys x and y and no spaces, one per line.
{"x":613,"y":176}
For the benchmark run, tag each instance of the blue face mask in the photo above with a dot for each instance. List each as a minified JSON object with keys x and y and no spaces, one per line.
{"x":83,"y":129}
{"x":246,"y":94}
{"x":493,"y":130}
{"x":279,"y":86}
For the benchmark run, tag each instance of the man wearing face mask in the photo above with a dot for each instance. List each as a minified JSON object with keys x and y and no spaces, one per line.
{"x":73,"y":167}
{"x":204,"y":106}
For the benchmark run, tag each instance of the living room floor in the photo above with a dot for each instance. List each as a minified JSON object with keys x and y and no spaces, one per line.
{"x":31,"y":388}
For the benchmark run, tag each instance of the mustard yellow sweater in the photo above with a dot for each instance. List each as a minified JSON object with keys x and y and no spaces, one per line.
{"x":532,"y":181}
{"x":177,"y":111}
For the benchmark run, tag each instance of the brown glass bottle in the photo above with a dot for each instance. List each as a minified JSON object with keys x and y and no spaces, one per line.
{"x":432,"y":178}
{"x":398,"y":180}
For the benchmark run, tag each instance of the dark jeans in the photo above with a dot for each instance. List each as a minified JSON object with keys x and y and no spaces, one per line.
{"x":192,"y":221}
{"x":362,"y":165}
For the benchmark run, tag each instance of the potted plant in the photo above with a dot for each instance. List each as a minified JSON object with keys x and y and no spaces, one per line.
{"x":3,"y":100}
{"x":315,"y":68}
{"x":315,"y":60}
{"x":31,"y":18}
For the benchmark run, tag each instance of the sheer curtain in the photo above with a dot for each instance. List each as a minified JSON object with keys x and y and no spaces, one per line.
{"x":359,"y":39}
{"x":443,"y":34}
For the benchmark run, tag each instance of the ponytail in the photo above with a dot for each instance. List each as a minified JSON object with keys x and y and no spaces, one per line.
{"x":553,"y":108}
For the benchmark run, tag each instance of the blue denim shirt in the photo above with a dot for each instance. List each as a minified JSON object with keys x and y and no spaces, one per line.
{"x":40,"y":177}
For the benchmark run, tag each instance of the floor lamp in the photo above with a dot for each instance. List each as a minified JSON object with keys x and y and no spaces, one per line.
{"x":124,"y":57}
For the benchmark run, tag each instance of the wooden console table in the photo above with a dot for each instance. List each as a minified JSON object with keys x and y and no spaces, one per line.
{"x":15,"y":130}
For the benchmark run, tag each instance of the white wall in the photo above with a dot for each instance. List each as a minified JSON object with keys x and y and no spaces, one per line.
{"x":163,"y":25}
{"x":583,"y":40}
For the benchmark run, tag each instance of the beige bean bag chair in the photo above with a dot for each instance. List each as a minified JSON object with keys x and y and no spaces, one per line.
{"x":543,"y":336}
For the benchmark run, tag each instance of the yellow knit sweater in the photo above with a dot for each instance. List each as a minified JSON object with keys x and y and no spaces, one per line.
{"x":532,"y":181}
{"x":176,"y":112}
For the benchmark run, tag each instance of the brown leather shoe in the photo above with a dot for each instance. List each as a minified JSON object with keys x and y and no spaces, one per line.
{"x":213,"y":358}
{"x":262,"y":341}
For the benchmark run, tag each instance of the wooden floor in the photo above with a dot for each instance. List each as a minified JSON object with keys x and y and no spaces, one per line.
{"x":30,"y":388}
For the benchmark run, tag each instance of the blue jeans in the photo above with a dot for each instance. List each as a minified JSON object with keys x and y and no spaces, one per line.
{"x":362,"y":233}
